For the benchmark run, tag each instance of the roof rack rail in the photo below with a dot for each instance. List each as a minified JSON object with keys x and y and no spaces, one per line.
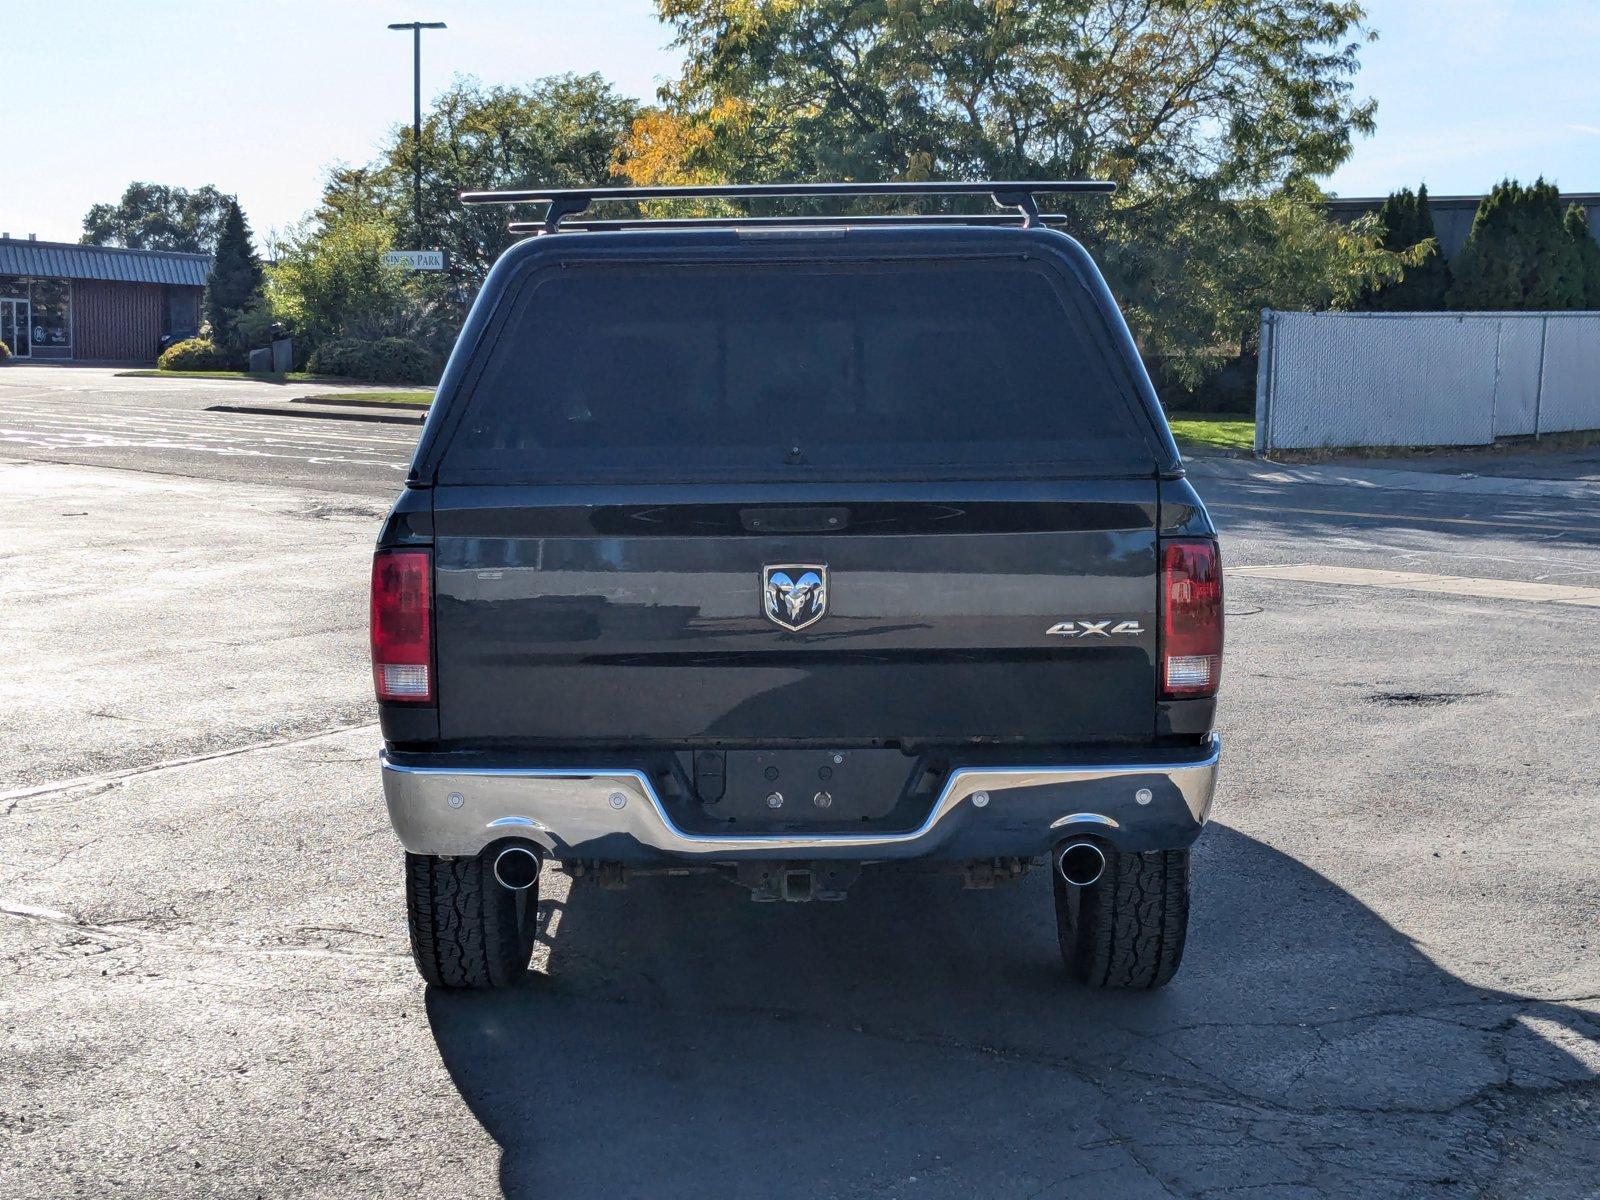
{"x":1008,"y":193}
{"x":594,"y":226}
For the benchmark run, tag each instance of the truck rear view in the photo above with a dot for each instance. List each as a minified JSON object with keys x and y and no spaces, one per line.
{"x":787,"y":553}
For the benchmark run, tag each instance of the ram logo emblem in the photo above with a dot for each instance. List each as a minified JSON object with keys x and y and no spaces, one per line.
{"x":794,"y":594}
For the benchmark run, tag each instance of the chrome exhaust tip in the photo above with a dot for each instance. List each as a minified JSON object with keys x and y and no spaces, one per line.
{"x":1081,"y":863}
{"x":516,"y":868}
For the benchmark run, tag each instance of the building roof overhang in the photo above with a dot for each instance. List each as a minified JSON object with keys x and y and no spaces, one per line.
{"x":65,"y":260}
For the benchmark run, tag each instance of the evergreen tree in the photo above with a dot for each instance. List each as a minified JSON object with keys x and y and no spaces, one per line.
{"x":235,"y":282}
{"x":1408,"y":222}
{"x":1577,"y":225}
{"x":1519,"y":254}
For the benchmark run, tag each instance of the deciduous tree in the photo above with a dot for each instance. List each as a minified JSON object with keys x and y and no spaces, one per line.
{"x":153,"y":216}
{"x":1202,"y":113}
{"x":1221,"y":95}
{"x":561,"y":130}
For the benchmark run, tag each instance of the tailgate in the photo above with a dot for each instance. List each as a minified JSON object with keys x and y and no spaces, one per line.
{"x":623,"y":624}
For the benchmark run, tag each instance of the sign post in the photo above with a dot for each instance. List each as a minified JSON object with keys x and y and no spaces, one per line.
{"x":415,"y":260}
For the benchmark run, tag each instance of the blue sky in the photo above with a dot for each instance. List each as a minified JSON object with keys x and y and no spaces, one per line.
{"x":260,"y":96}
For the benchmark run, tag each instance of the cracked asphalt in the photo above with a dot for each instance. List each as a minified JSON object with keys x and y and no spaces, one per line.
{"x":1392,"y":986}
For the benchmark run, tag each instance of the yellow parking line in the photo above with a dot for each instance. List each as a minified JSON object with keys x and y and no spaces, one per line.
{"x":1423,"y":517}
{"x":1421,"y":581}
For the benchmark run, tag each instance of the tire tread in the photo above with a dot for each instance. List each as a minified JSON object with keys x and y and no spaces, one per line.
{"x":1127,"y":930}
{"x":464,"y":928}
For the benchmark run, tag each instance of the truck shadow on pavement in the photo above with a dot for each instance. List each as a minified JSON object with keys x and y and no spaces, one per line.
{"x":921,"y":1041}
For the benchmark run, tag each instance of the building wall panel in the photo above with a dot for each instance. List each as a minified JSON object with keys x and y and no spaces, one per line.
{"x":116,"y":320}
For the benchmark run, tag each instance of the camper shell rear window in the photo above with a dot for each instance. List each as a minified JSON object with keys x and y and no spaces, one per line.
{"x":855,"y":369}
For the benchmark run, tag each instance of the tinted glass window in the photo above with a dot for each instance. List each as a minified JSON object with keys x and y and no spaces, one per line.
{"x":782,"y":371}
{"x":52,"y":312}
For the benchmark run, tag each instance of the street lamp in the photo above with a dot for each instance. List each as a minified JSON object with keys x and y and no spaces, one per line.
{"x":416,"y":28}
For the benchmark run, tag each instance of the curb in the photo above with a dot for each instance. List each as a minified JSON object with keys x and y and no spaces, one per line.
{"x":336,"y":403}
{"x":261,"y":410}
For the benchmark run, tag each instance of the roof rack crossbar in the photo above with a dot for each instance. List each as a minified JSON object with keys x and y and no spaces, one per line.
{"x":590,"y":225}
{"x":1011,"y":193}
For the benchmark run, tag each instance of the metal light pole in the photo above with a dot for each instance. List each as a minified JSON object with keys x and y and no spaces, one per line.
{"x":416,"y":28}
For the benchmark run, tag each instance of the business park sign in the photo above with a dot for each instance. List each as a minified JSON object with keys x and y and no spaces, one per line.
{"x":415,"y":260}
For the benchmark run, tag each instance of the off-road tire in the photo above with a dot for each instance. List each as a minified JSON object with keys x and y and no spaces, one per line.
{"x":466,"y":930}
{"x":1127,"y":929}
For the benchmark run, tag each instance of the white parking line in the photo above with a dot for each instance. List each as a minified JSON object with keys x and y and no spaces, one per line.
{"x":1516,"y":521}
{"x":142,"y":434}
{"x":133,"y":432}
{"x":200,"y":439}
{"x":1418,"y":581}
{"x":237,"y":449}
{"x":218,"y":424}
{"x":108,"y":426}
{"x":9,"y":800}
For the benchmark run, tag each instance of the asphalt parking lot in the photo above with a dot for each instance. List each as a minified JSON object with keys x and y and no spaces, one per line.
{"x":1391,"y":989}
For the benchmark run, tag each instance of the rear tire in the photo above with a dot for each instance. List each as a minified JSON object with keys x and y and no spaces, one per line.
{"x":467,"y":931}
{"x":1127,"y":929}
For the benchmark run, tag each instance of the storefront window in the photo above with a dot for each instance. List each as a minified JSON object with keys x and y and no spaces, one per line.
{"x":13,"y":286}
{"x":52,"y":313}
{"x":183,"y":311}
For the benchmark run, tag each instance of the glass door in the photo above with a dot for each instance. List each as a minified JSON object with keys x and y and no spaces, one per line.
{"x":15,"y":327}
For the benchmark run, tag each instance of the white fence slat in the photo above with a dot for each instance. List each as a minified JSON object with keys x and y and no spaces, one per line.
{"x":1424,"y":379}
{"x":1569,"y":396}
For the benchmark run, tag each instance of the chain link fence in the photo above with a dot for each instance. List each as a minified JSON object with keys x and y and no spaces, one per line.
{"x":1424,"y":379}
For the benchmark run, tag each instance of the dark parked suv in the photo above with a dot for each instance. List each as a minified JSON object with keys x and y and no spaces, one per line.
{"x":788,"y":549}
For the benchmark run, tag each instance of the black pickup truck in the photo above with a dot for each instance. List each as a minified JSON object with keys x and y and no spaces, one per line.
{"x":786,"y":549}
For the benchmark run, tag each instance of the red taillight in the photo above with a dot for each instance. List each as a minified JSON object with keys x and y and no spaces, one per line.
{"x":402,"y":625}
{"x":1191,"y":619}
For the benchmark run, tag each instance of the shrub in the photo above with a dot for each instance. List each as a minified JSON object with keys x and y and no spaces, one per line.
{"x":330,"y":276}
{"x":383,"y":360}
{"x":253,"y":327}
{"x":5,"y":352}
{"x":1226,"y":383}
{"x":192,"y":354}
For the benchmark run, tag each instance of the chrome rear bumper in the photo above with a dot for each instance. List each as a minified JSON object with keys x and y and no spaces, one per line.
{"x":1159,"y":802}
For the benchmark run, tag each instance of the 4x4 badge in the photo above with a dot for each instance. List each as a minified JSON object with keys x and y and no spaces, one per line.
{"x":1081,"y":629}
{"x":794,"y":594}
